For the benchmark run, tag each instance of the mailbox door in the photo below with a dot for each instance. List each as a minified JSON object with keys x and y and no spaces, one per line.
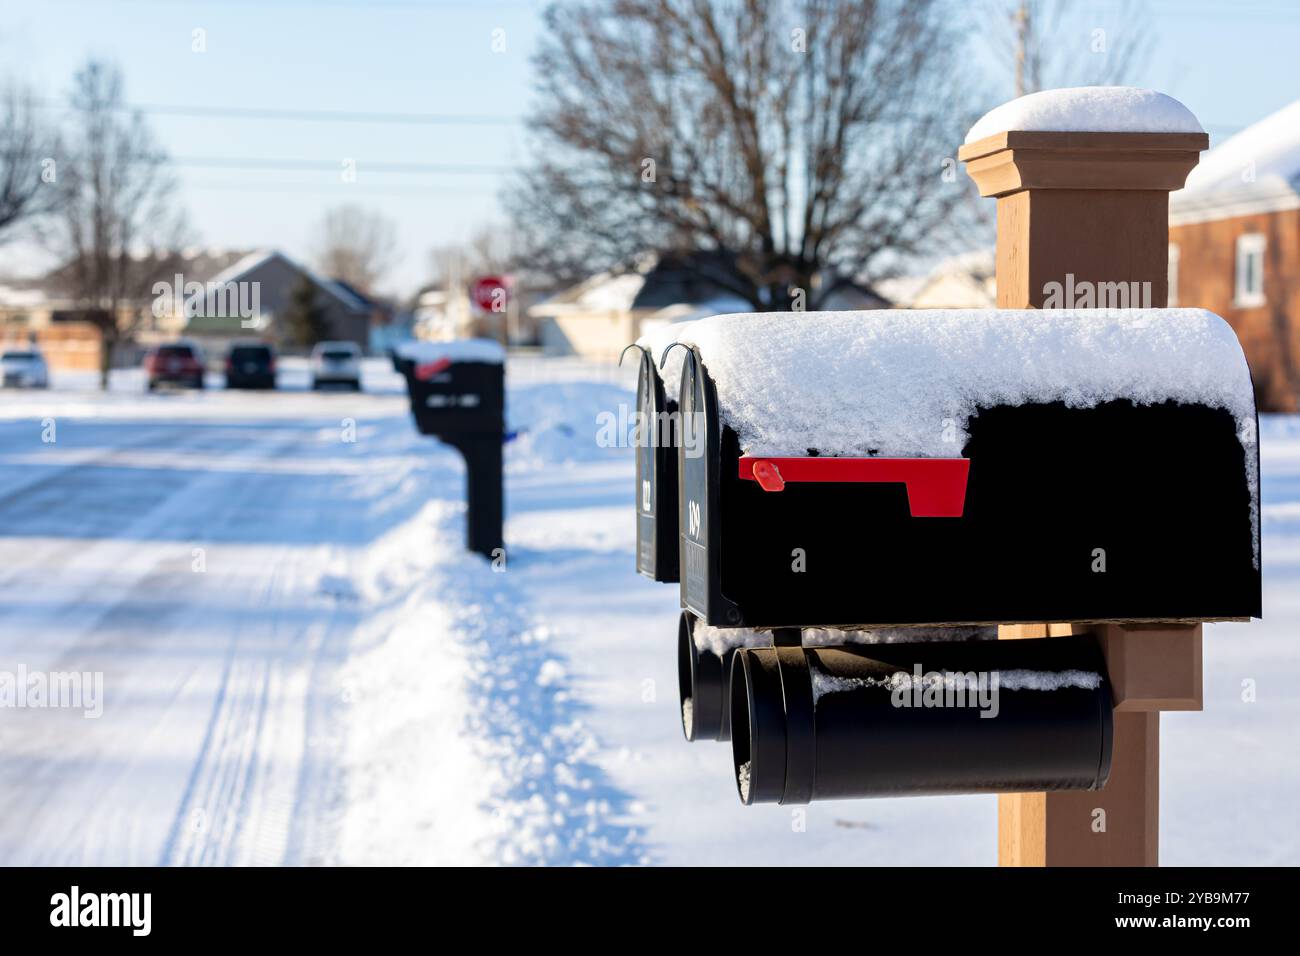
{"x":458,"y":397}
{"x":656,"y":477}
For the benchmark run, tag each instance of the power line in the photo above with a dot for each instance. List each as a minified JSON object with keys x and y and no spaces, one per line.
{"x":336,"y":165}
{"x":431,"y":6}
{"x":311,"y":116}
{"x":334,"y":188}
{"x":340,"y":165}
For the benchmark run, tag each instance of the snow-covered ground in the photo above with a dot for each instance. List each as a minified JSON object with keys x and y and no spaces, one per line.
{"x":300,"y":663}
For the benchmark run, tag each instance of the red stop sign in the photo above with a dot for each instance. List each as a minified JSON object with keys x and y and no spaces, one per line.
{"x":491,"y":293}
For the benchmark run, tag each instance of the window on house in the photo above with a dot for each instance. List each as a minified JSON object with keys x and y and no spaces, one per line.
{"x":1173,"y":275}
{"x":1250,"y":270}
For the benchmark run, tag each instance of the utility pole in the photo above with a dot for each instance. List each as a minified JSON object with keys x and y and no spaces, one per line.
{"x":1021,"y":22}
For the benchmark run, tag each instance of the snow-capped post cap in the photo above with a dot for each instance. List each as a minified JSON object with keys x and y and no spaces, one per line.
{"x":1090,"y":137}
{"x":1089,"y":109}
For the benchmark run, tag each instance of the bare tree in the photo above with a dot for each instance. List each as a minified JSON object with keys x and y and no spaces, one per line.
{"x":788,"y":138}
{"x":490,"y":250}
{"x":1058,"y":43}
{"x":28,"y":168}
{"x":117,"y":220}
{"x":357,"y":245}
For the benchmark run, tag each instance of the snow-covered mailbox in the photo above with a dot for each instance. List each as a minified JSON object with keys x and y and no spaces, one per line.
{"x":875,"y":469}
{"x":656,"y":473}
{"x":457,"y":392}
{"x":886,"y":468}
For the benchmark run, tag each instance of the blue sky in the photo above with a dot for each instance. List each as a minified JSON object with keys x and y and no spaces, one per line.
{"x":1230,"y":62}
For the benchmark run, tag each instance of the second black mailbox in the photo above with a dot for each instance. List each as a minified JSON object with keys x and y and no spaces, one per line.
{"x":1099,"y":466}
{"x":656,"y":474}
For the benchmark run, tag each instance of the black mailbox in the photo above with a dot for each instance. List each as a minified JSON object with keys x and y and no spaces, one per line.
{"x":457,"y":393}
{"x":1117,"y":511}
{"x":656,"y":475}
{"x":912,"y":719}
{"x":450,"y":397}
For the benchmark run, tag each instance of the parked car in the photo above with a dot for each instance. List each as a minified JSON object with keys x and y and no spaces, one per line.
{"x":250,"y":365}
{"x":176,"y":363}
{"x":336,"y":363}
{"x":24,"y":368}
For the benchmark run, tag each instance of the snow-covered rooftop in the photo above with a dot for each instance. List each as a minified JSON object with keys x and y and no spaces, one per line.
{"x":1266,"y":154}
{"x":1089,"y":109}
{"x":253,"y":260}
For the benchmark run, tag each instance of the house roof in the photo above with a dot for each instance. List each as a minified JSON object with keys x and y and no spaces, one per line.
{"x":1257,"y":170}
{"x":964,"y":281}
{"x":252,"y":261}
{"x":652,"y":282}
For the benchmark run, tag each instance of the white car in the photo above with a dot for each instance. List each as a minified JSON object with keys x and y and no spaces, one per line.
{"x":336,"y":363}
{"x":24,"y":368}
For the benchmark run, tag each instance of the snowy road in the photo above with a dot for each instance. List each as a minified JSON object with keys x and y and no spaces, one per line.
{"x":299,"y":663}
{"x":196,"y":565}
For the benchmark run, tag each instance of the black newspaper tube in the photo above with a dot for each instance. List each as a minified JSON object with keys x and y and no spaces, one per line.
{"x":810,"y":724}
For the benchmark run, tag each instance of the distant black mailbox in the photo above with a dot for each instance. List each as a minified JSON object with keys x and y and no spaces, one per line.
{"x":457,"y":397}
{"x":1119,"y":511}
{"x":457,"y":393}
{"x":656,"y":475}
{"x":912,"y":719}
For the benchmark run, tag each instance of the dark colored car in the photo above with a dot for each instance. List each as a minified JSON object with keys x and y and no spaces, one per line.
{"x":250,"y":365}
{"x":177,"y":363}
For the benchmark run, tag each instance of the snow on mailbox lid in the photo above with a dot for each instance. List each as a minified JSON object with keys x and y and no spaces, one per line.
{"x":456,"y":350}
{"x":430,"y":358}
{"x":905,"y":383}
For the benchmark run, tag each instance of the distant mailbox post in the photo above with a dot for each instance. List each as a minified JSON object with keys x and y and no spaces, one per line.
{"x":457,"y":392}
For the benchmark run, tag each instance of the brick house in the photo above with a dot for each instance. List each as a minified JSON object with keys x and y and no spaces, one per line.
{"x":1234,"y":248}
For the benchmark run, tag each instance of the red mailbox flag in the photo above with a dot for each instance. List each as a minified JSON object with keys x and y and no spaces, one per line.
{"x":491,"y":293}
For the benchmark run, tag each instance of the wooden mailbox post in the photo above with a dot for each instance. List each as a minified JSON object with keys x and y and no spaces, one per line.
{"x":1076,"y":208}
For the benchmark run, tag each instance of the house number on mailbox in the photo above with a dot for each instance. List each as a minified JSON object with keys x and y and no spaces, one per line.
{"x":445,"y":401}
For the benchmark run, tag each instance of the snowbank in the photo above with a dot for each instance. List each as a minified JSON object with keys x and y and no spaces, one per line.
{"x":1089,"y":109}
{"x":457,"y":350}
{"x":465,"y":742}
